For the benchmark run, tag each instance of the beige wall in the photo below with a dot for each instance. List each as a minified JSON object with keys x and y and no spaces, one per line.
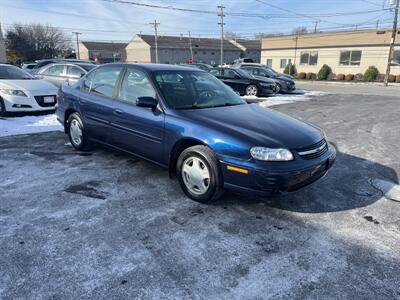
{"x":138,"y":51}
{"x":83,"y":52}
{"x":371,"y":56}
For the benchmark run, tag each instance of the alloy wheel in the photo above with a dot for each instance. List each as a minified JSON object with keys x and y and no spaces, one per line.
{"x":251,"y":90}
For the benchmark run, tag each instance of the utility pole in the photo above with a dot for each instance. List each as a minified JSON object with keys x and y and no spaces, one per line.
{"x":221,"y":14}
{"x":155,"y":24}
{"x":77,"y":44}
{"x":316,"y":26}
{"x":392,"y":41}
{"x":295,"y":53}
{"x":191,"y":49}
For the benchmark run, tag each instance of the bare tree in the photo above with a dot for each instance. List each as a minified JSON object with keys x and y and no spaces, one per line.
{"x":230,"y":35}
{"x":261,"y":35}
{"x":300,"y":30}
{"x":35,"y":41}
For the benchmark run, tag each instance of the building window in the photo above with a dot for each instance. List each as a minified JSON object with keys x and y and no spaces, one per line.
{"x":212,"y":53}
{"x":285,"y":62}
{"x":350,"y":58}
{"x":269,"y":62}
{"x":396,"y":56}
{"x":204,"y":52}
{"x":309,"y":58}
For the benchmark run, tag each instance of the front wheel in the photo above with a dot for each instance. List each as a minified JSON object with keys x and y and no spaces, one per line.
{"x":251,"y":90}
{"x":76,"y":132}
{"x":199,"y":174}
{"x":278,"y":88}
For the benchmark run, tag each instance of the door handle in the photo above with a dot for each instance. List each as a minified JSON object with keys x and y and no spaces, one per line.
{"x":118,"y":112}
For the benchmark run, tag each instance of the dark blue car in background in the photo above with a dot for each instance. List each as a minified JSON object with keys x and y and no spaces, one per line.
{"x":191,"y":123}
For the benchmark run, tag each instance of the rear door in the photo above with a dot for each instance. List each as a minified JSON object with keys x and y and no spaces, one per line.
{"x":74,"y":73}
{"x":96,"y":100}
{"x":54,"y":73}
{"x":138,"y":129}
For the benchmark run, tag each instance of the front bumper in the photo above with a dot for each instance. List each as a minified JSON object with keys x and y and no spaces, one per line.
{"x":30,"y":103}
{"x":266,"y":91}
{"x":271,"y":182}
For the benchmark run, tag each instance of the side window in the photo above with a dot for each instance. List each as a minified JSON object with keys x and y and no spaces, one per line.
{"x":103,"y":81}
{"x":269,"y":62}
{"x":215,"y":72}
{"x":75,"y":72}
{"x":230,"y":74}
{"x":134,"y":85}
{"x":87,"y":82}
{"x":56,"y":70}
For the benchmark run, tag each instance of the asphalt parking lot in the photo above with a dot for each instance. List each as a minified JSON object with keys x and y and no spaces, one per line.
{"x":102,"y":225}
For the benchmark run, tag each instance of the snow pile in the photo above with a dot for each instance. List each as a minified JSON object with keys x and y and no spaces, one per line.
{"x":28,"y":124}
{"x":289,"y":98}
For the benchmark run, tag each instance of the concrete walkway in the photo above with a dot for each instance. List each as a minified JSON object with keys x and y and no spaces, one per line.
{"x":351,"y":88}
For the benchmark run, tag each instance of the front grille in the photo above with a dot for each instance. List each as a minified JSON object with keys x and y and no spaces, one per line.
{"x":40,"y":101}
{"x":313,"y":151}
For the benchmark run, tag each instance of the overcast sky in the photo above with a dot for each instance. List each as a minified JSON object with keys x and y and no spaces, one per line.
{"x":102,"y":20}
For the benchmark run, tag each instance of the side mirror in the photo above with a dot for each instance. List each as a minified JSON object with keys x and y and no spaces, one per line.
{"x":83,"y":74}
{"x":149,"y":102}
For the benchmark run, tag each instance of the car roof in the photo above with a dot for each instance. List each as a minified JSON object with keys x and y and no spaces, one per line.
{"x":155,"y":67}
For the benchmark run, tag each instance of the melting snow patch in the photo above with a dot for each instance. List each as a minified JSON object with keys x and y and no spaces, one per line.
{"x":28,"y":124}
{"x":389,"y":189}
{"x":290,"y":98}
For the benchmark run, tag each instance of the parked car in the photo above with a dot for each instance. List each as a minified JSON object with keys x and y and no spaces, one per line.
{"x":283,"y":83}
{"x":264,"y":66}
{"x":28,"y":67}
{"x":41,"y":63}
{"x":244,"y":83}
{"x":22,"y":92}
{"x":188,"y":121}
{"x":243,"y":60}
{"x":59,"y":73}
{"x":201,"y":66}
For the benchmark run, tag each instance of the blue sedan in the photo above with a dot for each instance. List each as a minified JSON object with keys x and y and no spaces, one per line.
{"x":188,"y":121}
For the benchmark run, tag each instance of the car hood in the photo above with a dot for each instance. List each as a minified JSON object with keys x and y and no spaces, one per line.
{"x":28,"y":85}
{"x":256,"y":125}
{"x":285,"y":76}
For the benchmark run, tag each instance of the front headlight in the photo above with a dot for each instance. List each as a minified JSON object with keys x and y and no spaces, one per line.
{"x":13,"y":92}
{"x":269,"y":154}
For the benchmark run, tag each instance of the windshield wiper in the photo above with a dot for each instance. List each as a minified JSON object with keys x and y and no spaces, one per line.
{"x":226,"y":104}
{"x":190,"y":107}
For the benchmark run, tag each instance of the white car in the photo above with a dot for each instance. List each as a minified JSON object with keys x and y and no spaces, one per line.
{"x":22,"y":92}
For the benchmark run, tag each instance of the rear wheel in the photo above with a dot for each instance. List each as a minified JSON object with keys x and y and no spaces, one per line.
{"x":3,"y":111}
{"x":251,"y":90}
{"x":199,"y":174}
{"x":76,"y":132}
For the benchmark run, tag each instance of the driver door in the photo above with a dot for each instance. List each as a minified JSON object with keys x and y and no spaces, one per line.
{"x":234,"y":80}
{"x":138,"y":129}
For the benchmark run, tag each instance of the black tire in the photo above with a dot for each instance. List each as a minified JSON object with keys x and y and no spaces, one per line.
{"x":84,"y":144}
{"x":215,"y":185}
{"x":3,"y":111}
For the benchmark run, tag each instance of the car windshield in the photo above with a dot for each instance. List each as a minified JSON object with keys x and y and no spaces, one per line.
{"x":11,"y":72}
{"x":195,"y":89}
